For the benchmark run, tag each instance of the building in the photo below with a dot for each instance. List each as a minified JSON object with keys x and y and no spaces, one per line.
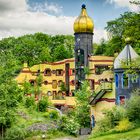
{"x":71,"y":72}
{"x":125,"y":83}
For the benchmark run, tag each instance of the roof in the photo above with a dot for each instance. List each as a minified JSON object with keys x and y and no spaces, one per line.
{"x":127,"y":54}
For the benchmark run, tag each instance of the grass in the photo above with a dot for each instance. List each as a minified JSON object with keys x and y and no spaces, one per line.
{"x":130,"y":135}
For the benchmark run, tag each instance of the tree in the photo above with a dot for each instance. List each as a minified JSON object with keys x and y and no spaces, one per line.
{"x":83,"y":107}
{"x":10,"y":96}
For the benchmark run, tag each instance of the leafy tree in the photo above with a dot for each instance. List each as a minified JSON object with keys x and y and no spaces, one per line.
{"x":83,"y":107}
{"x":125,"y":26}
{"x":10,"y":96}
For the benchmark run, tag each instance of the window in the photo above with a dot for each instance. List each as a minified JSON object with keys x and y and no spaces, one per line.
{"x":54,"y":84}
{"x":92,"y":84}
{"x":60,"y":83}
{"x":45,"y":82}
{"x":32,"y":82}
{"x":121,"y":100}
{"x":116,"y":80}
{"x":125,"y":80}
{"x":59,"y":72}
{"x":72,"y":82}
{"x":134,"y":78}
{"x":71,"y":72}
{"x":47,"y":72}
{"x":99,"y":69}
{"x":79,"y":57}
{"x":49,"y":93}
{"x":72,"y":91}
{"x":38,"y":72}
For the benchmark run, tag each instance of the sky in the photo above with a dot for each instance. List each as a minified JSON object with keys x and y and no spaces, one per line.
{"x":20,"y":17}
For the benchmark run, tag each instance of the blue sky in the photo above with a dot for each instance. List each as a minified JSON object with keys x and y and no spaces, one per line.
{"x":100,"y":11}
{"x":20,"y":17}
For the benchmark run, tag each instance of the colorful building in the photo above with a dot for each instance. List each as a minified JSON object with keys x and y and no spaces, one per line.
{"x":71,"y":72}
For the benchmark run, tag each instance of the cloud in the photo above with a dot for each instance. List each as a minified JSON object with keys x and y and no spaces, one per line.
{"x":124,"y":3}
{"x":16,"y":19}
{"x":45,"y":7}
{"x":99,"y":34}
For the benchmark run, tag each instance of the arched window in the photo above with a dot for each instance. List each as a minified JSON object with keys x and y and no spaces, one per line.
{"x":116,"y":80}
{"x":60,"y":83}
{"x":72,"y":82}
{"x":121,"y":100}
{"x":125,"y":82}
{"x":32,"y":82}
{"x":45,"y":82}
{"x":54,"y":84}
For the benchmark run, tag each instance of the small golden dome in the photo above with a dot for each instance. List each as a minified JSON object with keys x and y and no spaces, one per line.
{"x":128,"y":40}
{"x":83,"y":23}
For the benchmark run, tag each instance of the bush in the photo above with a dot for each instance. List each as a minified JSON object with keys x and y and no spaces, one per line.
{"x":15,"y":133}
{"x":42,"y":104}
{"x":30,"y":102}
{"x":124,"y":125}
{"x":54,"y":115}
{"x":133,"y":107}
{"x":46,"y":115}
{"x":69,"y":125}
{"x":110,"y":119}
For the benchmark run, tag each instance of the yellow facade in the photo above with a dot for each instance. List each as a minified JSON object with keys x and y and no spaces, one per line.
{"x":56,"y":96}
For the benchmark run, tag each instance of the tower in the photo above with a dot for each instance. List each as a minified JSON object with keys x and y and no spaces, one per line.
{"x":83,"y":32}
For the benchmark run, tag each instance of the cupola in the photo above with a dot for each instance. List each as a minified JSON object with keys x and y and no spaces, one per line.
{"x":83,"y":23}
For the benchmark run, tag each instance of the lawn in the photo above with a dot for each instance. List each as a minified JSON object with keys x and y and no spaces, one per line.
{"x":130,"y":135}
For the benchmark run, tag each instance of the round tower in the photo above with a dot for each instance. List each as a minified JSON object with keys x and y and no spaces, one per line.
{"x":83,"y":32}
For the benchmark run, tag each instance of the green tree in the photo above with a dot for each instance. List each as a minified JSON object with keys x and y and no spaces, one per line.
{"x":83,"y":107}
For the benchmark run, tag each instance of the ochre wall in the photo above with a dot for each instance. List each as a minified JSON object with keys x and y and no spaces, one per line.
{"x":30,"y":73}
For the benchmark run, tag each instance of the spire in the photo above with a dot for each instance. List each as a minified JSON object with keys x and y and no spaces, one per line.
{"x":127,"y":54}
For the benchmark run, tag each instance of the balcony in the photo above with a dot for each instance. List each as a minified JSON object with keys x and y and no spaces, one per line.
{"x":100,"y":91}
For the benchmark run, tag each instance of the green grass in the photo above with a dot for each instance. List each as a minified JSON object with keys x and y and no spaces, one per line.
{"x":130,"y":135}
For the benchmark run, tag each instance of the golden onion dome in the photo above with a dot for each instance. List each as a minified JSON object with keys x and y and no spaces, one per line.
{"x":83,"y":23}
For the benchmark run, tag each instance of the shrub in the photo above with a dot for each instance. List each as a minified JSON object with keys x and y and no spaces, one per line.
{"x":30,"y":102}
{"x":42,"y":104}
{"x":69,"y":125}
{"x":54,"y":115}
{"x":124,"y":125}
{"x":15,"y":133}
{"x":46,"y":115}
{"x":133,"y":107}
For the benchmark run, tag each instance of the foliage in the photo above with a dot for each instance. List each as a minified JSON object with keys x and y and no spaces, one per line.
{"x":39,"y":48}
{"x":83,"y":107}
{"x":69,"y":125}
{"x":15,"y":133}
{"x":30,"y":102}
{"x":133,"y":106}
{"x":127,"y":25}
{"x":54,"y":114}
{"x":27,"y":88}
{"x":10,"y":96}
{"x":63,"y":87}
{"x":42,"y":104}
{"x":110,"y":119}
{"x":124,"y":125}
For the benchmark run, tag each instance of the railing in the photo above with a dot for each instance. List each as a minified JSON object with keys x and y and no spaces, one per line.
{"x":103,"y":86}
{"x":100,"y":90}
